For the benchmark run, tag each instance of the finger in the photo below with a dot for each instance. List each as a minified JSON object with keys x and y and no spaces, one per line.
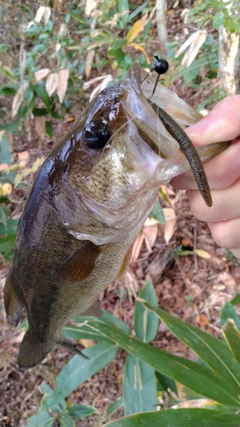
{"x":221,"y":124}
{"x":222,"y":171}
{"x":225,"y":205}
{"x":225,"y":235}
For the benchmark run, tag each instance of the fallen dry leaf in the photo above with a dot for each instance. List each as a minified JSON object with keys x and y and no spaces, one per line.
{"x":62,"y":83}
{"x":41,"y":74}
{"x":51,"y":83}
{"x":17,"y":100}
{"x":202,"y":254}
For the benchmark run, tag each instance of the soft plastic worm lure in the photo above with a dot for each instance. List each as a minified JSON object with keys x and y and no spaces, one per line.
{"x":161,"y":66}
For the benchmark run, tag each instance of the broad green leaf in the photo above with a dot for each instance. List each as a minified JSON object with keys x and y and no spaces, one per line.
{"x":145,"y":321}
{"x":232,"y":337}
{"x":82,"y":332}
{"x":78,"y":370}
{"x":109,"y":319}
{"x":139,"y":386}
{"x":43,"y":419}
{"x":199,"y":378}
{"x":81,"y":411}
{"x":195,"y":417}
{"x":228,"y":312}
{"x":211,"y":350}
{"x":115,"y":405}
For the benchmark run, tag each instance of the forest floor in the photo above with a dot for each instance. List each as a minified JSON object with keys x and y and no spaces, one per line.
{"x":188,"y":286}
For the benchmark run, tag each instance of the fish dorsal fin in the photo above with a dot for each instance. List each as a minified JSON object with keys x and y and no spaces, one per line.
{"x":125,"y":264}
{"x":94,"y":310}
{"x":13,"y":305}
{"x":80,"y":264}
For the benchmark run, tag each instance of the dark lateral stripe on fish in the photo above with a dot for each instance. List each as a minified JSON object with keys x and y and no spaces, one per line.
{"x":189,"y":150}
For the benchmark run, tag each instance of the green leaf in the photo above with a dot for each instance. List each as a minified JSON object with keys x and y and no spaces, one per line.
{"x":78,"y":370}
{"x":145,"y":321}
{"x":235,"y":300}
{"x":199,"y":378}
{"x":232,"y":337}
{"x":10,"y":227}
{"x":39,"y":112}
{"x":157,"y":213}
{"x":3,"y":216}
{"x":6,"y":247}
{"x":42,"y":93}
{"x":195,"y":417}
{"x":218,"y":20}
{"x":81,"y":332}
{"x":115,"y":405}
{"x":109,"y":319}
{"x":43,"y":419}
{"x":81,"y":411}
{"x":228,"y":312}
{"x":5,"y":153}
{"x":139,"y":386}
{"x":165,"y":383}
{"x":119,"y":55}
{"x":211,"y":350}
{"x":123,"y":8}
{"x":10,"y":127}
{"x":7,"y":90}
{"x":65,"y":420}
{"x":49,"y":128}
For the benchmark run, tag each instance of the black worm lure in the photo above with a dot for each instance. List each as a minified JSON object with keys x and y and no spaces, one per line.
{"x":161,"y":66}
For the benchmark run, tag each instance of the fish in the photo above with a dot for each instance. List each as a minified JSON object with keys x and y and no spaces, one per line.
{"x":87,"y":206}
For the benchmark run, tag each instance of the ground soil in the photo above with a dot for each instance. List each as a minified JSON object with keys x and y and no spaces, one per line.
{"x":191,"y":287}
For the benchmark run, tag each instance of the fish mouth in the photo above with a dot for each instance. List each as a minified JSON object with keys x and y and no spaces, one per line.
{"x":141,"y":105}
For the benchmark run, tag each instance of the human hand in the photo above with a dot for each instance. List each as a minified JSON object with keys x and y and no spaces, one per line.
{"x":223,"y":173}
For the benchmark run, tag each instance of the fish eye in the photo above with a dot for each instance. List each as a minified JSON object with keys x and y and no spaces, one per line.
{"x":96,"y":134}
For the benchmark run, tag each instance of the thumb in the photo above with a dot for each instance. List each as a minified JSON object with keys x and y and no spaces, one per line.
{"x":221,"y":124}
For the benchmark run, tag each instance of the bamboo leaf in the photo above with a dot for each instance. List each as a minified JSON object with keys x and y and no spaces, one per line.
{"x":180,"y":418}
{"x":232,"y":336}
{"x":228,"y":312}
{"x":139,"y":386}
{"x":211,"y":350}
{"x":145,"y":321}
{"x":199,"y":378}
{"x":78,"y":370}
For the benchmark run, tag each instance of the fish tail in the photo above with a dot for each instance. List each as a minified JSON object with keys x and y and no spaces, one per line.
{"x":69,"y":346}
{"x":32,"y":351}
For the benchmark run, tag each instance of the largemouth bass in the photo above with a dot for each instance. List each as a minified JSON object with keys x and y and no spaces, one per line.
{"x":88,"y":204}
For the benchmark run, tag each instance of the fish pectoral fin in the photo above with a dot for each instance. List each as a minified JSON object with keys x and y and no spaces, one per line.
{"x":80,"y":264}
{"x":32,"y":352}
{"x":125,"y":264}
{"x":94,"y":310}
{"x":69,"y":346}
{"x":13,"y":305}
